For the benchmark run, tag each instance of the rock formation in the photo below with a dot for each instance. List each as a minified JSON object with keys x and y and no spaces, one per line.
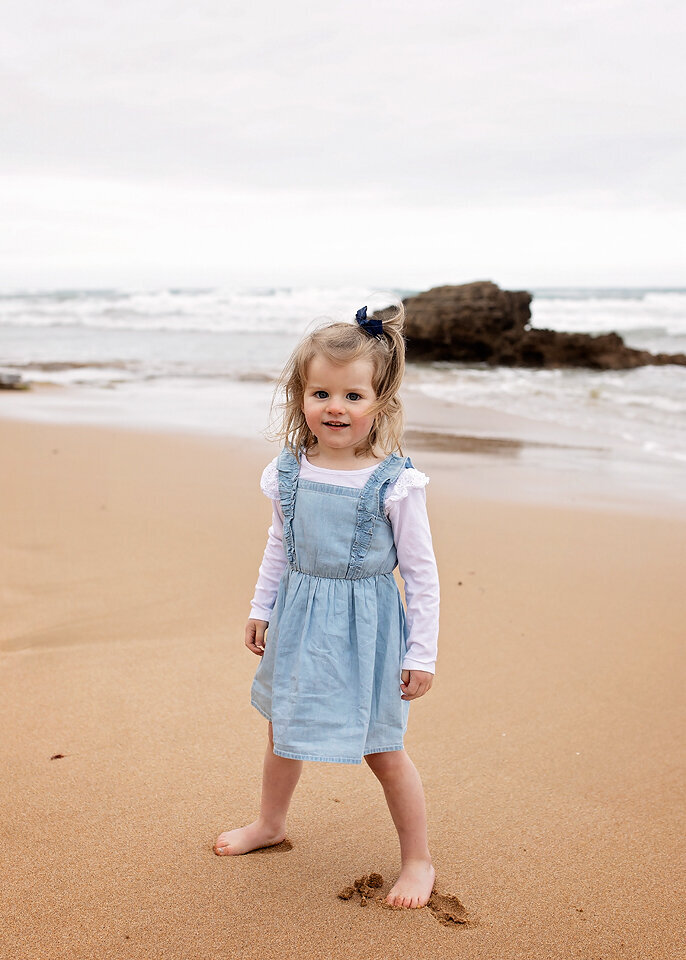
{"x":479,"y":322}
{"x":12,"y":381}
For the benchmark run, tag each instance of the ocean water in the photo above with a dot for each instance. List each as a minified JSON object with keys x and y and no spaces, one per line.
{"x":205,"y":359}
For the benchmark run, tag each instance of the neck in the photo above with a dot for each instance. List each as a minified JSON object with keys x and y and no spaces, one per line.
{"x":341,"y":460}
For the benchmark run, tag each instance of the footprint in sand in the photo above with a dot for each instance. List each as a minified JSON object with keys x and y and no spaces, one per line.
{"x":445,"y":907}
{"x":448,"y":910}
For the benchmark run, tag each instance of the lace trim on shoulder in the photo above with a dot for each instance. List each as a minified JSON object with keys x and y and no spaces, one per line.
{"x":407,"y":480}
{"x":269,"y":482}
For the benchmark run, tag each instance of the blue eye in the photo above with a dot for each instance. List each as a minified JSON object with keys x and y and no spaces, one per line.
{"x":354,"y":396}
{"x":321,"y":394}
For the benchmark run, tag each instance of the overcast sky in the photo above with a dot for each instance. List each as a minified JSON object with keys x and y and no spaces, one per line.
{"x":389,"y":143}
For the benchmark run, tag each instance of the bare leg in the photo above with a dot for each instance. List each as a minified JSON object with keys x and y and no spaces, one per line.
{"x":405,"y":798}
{"x":279,"y":779}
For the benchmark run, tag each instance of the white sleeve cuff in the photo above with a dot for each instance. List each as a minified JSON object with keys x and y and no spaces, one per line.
{"x":260,"y":613}
{"x":416,"y":665}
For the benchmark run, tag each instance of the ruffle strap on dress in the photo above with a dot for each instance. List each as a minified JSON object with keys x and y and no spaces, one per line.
{"x":370,"y":509}
{"x":288,"y":471}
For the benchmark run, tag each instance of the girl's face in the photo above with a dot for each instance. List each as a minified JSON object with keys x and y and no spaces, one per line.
{"x":336,"y":405}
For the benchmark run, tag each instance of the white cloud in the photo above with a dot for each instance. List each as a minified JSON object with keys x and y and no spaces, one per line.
{"x":97,"y":232}
{"x":160,"y":136}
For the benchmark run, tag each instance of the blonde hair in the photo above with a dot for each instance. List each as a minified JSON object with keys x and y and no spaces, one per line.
{"x":343,"y":343}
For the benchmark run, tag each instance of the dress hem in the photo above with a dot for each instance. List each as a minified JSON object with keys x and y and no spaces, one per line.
{"x":290,"y":755}
{"x":318,"y":759}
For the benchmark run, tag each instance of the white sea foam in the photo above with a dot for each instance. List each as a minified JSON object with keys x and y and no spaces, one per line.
{"x":638,"y":316}
{"x":217,"y":343}
{"x":267,"y":310}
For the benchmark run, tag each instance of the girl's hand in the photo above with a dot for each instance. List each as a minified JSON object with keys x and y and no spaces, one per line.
{"x":415,"y":683}
{"x":254,"y":636}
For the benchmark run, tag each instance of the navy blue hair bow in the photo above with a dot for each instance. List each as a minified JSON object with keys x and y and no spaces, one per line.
{"x":371,"y":326}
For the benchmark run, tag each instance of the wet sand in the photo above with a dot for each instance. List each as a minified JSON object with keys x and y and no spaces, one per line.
{"x":549,"y":745}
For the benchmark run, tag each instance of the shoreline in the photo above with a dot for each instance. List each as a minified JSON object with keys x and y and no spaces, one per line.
{"x":492,"y":455}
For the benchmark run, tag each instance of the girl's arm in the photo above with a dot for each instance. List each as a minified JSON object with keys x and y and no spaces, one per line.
{"x":406,"y":510}
{"x":274,"y":557}
{"x":271,"y":568}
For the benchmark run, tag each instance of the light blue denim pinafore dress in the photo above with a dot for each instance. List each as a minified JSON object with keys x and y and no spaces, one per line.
{"x":329,"y":678}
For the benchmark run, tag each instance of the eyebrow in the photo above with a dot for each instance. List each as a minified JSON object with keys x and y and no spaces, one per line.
{"x":315,"y":386}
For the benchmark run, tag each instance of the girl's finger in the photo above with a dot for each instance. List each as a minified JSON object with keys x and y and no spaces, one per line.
{"x":420,"y":690}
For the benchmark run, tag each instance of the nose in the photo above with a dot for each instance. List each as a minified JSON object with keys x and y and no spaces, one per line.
{"x":335,"y":405}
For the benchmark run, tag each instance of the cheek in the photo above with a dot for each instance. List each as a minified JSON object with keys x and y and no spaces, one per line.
{"x":308,"y":412}
{"x":364,"y":420}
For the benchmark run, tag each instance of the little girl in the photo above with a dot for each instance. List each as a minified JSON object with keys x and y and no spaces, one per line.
{"x":341,"y":659}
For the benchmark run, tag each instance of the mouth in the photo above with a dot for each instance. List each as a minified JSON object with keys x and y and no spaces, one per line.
{"x":335,"y":424}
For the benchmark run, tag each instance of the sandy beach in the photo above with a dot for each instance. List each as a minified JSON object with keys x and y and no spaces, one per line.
{"x":549,"y":746}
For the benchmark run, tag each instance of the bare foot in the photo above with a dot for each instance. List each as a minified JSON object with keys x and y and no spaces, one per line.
{"x":245,"y":839}
{"x":414,"y":885}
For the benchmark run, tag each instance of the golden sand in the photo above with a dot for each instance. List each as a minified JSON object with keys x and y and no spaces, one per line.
{"x":549,"y":745}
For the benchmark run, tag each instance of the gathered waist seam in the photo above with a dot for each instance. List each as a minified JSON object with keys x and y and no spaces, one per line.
{"x":318,"y":576}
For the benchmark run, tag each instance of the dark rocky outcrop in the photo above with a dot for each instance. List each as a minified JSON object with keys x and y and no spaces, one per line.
{"x":479,"y":322}
{"x":12,"y":381}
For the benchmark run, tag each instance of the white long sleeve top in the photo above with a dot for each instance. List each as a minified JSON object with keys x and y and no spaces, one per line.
{"x":405,"y":506}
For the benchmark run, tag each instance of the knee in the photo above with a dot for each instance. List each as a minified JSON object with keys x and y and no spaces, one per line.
{"x":385,"y":764}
